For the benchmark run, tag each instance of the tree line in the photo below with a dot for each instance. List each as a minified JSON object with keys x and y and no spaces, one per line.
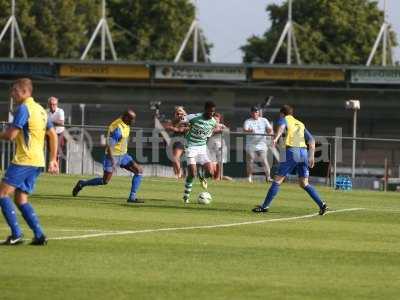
{"x":328,"y":31}
{"x":141,"y":29}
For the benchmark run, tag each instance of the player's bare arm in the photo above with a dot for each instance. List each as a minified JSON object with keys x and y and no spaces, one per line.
{"x":278,"y":134}
{"x":219,"y":128}
{"x":110,"y":155}
{"x":311,"y":152}
{"x":10,"y":134}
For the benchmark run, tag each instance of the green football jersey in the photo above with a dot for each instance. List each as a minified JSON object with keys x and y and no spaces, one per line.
{"x":200,"y":129}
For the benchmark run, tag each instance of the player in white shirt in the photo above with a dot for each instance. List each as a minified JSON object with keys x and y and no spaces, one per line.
{"x":257,"y":145}
{"x":57,"y":116}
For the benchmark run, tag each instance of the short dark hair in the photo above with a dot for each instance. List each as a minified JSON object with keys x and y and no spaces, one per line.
{"x":209,"y":104}
{"x":254,"y":108}
{"x":129,"y":113}
{"x":287,"y":110}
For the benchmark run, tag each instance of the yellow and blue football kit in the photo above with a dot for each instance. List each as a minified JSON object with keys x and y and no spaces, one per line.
{"x":31,"y":118}
{"x":297,"y":138}
{"x":296,"y":154}
{"x":117,"y":140}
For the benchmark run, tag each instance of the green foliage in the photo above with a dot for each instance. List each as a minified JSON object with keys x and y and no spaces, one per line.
{"x":23,"y":13}
{"x":51,"y":28}
{"x":141,"y":29}
{"x":151,"y":29}
{"x":328,"y":32}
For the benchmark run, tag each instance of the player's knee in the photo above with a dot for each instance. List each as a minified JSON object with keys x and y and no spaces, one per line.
{"x":3,"y":193}
{"x":303,"y":184}
{"x":19,"y":202}
{"x":279,"y":180}
{"x":106,"y":181}
{"x":139,"y":169}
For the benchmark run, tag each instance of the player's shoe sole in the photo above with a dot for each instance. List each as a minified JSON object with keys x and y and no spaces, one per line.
{"x":77,"y":188}
{"x":323,"y":209}
{"x":259,"y":209}
{"x":186,"y":200}
{"x":42,"y":241}
{"x":11,"y":241}
{"x":135,"y":201}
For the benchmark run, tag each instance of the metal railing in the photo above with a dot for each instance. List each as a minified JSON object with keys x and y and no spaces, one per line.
{"x":85,"y":148}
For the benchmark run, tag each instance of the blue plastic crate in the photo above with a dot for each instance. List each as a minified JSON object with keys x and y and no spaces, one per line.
{"x":343,"y":183}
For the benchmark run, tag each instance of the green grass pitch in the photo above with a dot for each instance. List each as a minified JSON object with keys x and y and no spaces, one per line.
{"x":102,"y":248}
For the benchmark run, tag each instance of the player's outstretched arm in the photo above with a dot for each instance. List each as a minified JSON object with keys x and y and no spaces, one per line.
{"x":10,"y":134}
{"x":311,"y":148}
{"x":53,"y":144}
{"x":110,"y":155}
{"x":278,"y":134}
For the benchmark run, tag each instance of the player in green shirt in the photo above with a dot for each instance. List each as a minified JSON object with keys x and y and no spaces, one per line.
{"x":201,"y":127}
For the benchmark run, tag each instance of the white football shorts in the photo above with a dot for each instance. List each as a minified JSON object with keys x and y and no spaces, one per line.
{"x":197,"y":155}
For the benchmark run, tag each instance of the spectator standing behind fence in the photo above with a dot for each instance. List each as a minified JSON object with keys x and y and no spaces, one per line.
{"x":57,"y":116}
{"x":257,"y":145}
{"x":217,"y":150}
{"x":177,"y":127}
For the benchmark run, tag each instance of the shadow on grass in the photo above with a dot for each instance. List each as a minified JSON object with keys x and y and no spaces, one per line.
{"x":67,"y":197}
{"x":163,"y":203}
{"x":189,"y":207}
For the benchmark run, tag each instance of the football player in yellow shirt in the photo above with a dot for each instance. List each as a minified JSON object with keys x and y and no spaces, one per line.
{"x":28,"y":130}
{"x":116,"y":153}
{"x":297,"y":156}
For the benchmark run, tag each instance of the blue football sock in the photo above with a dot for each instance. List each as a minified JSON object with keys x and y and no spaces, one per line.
{"x":314,"y":195}
{"x":273,"y":190}
{"x":10,"y":215}
{"x":136,"y":181}
{"x":93,"y":182}
{"x":31,"y":219}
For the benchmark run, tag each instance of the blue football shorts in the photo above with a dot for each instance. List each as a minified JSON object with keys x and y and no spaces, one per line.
{"x":296,"y":158}
{"x":23,"y":178}
{"x":120,"y":160}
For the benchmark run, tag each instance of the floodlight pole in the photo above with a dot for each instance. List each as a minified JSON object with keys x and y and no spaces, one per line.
{"x":355,"y":106}
{"x":14,"y":30}
{"x":105,"y":36}
{"x":198,"y":39}
{"x":383,"y":37}
{"x":288,"y":32}
{"x":353,"y":160}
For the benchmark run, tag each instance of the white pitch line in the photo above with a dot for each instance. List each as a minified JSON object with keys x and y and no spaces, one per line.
{"x":83,"y":230}
{"x":128,"y":232}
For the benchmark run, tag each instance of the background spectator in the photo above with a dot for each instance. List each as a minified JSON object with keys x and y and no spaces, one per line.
{"x":257,"y":145}
{"x":215,"y":144}
{"x":57,"y":116}
{"x":177,"y":127}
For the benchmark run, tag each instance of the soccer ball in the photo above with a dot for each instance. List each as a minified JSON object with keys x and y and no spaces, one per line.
{"x":204,"y":198}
